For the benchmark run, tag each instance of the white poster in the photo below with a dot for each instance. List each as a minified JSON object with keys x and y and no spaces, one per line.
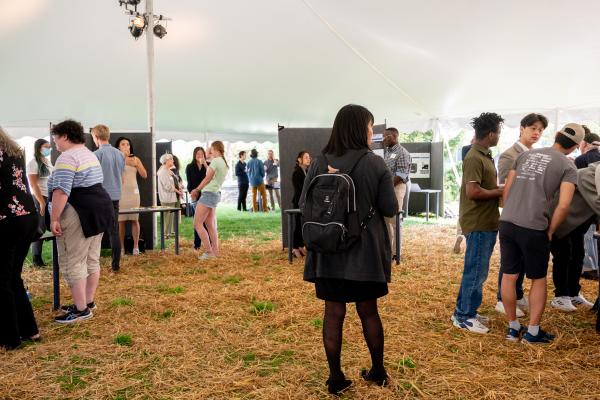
{"x":419,"y":168}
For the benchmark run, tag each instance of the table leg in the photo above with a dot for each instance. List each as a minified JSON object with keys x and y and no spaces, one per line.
{"x":290,"y":236}
{"x":162,"y":230}
{"x":55,"y":276}
{"x":427,"y":207}
{"x":398,"y":238}
{"x":176,"y":226}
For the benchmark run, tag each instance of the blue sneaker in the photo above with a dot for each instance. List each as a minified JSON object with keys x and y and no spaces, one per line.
{"x":514,"y":335}
{"x":541,"y":338}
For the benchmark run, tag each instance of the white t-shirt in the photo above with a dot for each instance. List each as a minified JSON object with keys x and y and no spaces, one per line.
{"x":32,"y":169}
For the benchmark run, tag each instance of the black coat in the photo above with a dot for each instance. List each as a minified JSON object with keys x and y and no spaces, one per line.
{"x":194,"y":175}
{"x":369,"y":260}
{"x":298,"y":178}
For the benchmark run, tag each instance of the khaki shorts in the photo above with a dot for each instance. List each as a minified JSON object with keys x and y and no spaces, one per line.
{"x":78,"y":256}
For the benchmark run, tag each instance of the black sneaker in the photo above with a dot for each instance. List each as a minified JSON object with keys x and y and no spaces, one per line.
{"x":71,"y":307}
{"x":514,"y":335}
{"x":541,"y":338}
{"x":74,"y":316}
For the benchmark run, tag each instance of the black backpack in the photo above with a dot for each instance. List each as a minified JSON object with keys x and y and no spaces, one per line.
{"x":330,"y":220}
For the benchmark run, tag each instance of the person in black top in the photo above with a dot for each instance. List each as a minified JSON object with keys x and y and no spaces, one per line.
{"x":360,"y":274}
{"x":195,"y":173}
{"x":18,"y":227}
{"x":589,"y":149}
{"x":298,"y":176}
{"x":242,"y":178}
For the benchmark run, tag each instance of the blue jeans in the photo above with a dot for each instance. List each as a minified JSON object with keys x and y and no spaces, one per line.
{"x":480,"y":245}
{"x":520,"y":279}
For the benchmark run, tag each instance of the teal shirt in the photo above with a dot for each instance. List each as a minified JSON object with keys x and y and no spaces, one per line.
{"x":218,"y":165}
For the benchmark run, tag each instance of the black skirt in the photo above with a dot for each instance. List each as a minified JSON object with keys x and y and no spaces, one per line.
{"x":345,"y":291}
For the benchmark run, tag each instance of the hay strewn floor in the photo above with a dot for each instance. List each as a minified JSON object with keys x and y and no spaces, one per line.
{"x":247,"y":327}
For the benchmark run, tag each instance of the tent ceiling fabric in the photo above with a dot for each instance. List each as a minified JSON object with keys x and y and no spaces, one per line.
{"x":238,"y":68}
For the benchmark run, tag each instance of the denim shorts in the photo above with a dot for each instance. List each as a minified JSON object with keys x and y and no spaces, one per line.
{"x":210,"y":199}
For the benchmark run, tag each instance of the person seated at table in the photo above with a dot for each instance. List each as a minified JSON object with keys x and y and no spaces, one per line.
{"x":130,"y":197}
{"x":206,"y":210}
{"x":80,"y":211}
{"x":195,"y":173}
{"x":298,"y":176}
{"x":38,"y":172}
{"x":167,"y":191}
{"x":18,"y":227}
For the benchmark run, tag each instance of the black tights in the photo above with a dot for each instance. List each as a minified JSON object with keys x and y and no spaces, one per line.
{"x":333,"y":324}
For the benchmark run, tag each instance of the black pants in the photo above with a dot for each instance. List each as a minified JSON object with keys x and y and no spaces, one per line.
{"x":298,"y":240}
{"x":17,"y":315}
{"x":567,"y":261}
{"x":36,"y":247}
{"x":115,"y":241}
{"x":243,"y":193}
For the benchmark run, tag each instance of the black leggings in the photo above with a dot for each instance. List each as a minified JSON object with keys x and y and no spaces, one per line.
{"x":17,"y":315}
{"x":243,"y":193}
{"x":333,"y":324}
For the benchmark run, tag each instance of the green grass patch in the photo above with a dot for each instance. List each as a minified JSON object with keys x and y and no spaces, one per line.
{"x":75,"y":359}
{"x":262,"y":307}
{"x":73,"y":380}
{"x":232,"y":280}
{"x":170,"y":290}
{"x":39,"y":302}
{"x":407,"y":362}
{"x":317,"y":323}
{"x":123,"y":339}
{"x":166,"y":314}
{"x":121,"y":301}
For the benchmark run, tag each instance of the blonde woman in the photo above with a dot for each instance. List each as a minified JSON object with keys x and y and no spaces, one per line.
{"x":206,"y":209}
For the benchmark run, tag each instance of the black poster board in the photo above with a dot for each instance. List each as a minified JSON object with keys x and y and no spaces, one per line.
{"x":142,"y":146}
{"x":291,"y":142}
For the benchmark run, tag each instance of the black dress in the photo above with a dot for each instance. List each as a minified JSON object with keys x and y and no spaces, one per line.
{"x":298,"y":182}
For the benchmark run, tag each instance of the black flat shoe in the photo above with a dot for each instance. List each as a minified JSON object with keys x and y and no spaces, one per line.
{"x":380,"y":379}
{"x":338,"y":386}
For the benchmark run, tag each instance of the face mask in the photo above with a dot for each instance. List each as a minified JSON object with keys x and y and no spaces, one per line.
{"x":46,"y":152}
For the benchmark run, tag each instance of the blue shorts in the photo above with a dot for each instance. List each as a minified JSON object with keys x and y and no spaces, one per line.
{"x":210,"y":199}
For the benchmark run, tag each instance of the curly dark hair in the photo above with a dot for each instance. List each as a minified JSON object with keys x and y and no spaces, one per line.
{"x":118,"y":143}
{"x":70,"y":128}
{"x":486,"y":123}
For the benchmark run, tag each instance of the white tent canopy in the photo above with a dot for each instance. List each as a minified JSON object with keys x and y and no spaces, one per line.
{"x":235,"y":69}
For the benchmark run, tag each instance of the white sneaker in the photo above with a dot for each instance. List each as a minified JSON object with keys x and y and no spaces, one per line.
{"x":563,"y":303}
{"x":471,"y":324}
{"x":205,"y":256}
{"x":500,"y":308}
{"x":523,"y":304}
{"x":579,"y":300}
{"x":485,"y":320}
{"x":136,"y":252}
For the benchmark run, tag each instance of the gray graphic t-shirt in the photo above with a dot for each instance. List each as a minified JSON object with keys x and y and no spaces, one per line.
{"x":539,"y":173}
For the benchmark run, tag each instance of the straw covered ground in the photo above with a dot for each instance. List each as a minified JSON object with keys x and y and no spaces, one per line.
{"x":247,"y":327}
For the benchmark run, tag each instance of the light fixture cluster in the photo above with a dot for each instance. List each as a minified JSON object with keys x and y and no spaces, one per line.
{"x":139,"y":22}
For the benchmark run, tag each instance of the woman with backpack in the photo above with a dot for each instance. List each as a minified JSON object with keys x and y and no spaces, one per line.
{"x":360,"y":273}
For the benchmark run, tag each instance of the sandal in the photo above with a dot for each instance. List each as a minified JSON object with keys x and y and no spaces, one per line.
{"x":336,"y":387}
{"x":380,"y":379}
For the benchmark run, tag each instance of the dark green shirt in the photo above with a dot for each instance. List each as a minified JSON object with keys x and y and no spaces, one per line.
{"x":478,"y":215}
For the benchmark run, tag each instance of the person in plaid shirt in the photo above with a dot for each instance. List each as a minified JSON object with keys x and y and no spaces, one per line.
{"x":398,"y":160}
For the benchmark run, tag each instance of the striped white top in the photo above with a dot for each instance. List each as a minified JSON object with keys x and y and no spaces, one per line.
{"x":76,"y":167}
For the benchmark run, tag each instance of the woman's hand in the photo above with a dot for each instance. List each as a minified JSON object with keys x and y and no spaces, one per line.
{"x":56,"y":228}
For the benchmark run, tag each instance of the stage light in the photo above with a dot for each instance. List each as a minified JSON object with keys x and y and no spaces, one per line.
{"x":159,"y":31}
{"x":137,"y":26}
{"x":139,"y":22}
